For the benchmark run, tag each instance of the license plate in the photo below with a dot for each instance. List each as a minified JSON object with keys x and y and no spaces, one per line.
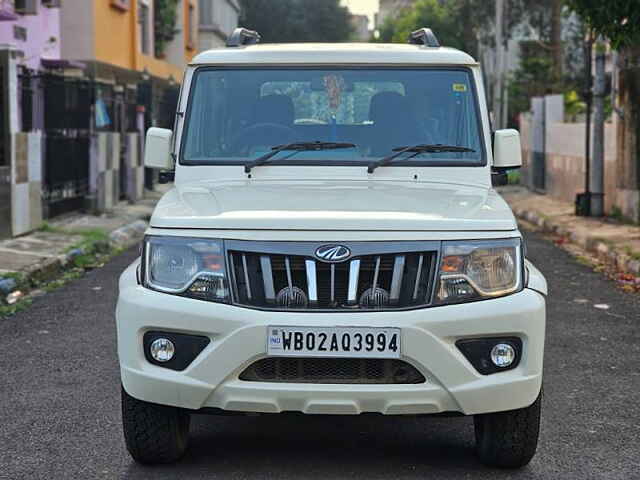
{"x":354,"y":342}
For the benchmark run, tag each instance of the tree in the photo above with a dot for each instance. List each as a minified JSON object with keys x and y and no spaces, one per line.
{"x":619,"y":22}
{"x":297,"y":20}
{"x":456,"y":23}
{"x":556,"y":39}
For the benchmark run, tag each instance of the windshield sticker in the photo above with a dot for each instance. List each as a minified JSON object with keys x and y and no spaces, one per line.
{"x":459,"y":87}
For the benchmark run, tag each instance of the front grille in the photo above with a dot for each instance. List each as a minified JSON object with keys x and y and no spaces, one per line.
{"x":332,"y":370}
{"x":279,"y":280}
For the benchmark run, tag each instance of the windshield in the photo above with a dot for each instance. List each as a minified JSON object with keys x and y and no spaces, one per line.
{"x":236,"y":115}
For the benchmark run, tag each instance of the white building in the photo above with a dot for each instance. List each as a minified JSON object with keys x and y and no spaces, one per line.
{"x":217,"y":19}
{"x":360,"y":24}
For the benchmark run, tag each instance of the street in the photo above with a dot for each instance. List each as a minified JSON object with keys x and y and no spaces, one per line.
{"x":60,"y":391}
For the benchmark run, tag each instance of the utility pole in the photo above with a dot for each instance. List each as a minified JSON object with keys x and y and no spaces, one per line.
{"x":597,"y":167}
{"x":498,"y":67}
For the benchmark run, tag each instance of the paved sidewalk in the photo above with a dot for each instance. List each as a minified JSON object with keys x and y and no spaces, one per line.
{"x":43,"y":254}
{"x":608,"y":239}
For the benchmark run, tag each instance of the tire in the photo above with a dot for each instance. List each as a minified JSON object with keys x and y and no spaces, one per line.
{"x":508,"y":439}
{"x":154,"y":433}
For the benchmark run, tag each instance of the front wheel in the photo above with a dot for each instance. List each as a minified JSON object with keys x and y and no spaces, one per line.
{"x":508,"y":439}
{"x":154,"y":433}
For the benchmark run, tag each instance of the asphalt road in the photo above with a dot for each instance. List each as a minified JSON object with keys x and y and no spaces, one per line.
{"x":60,"y":418}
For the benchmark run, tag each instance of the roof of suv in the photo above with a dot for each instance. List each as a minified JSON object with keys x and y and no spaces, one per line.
{"x":334,"y":53}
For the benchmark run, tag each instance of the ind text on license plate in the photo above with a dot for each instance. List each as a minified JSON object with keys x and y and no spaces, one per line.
{"x":365,"y":342}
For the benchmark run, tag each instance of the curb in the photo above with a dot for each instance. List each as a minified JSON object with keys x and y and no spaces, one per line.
{"x":599,"y":248}
{"x":121,"y":238}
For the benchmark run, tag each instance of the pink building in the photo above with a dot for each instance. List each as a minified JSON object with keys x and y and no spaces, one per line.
{"x":33,"y":27}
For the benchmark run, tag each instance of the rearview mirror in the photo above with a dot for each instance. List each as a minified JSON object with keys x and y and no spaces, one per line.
{"x":507,"y":152}
{"x":157,"y":148}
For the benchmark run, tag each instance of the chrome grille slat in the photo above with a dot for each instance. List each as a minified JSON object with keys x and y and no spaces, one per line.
{"x":375,"y":273}
{"x":312,"y":288}
{"x":246,"y":276}
{"x":354,"y":272}
{"x":416,"y":284}
{"x":332,"y":297}
{"x":267,"y":278}
{"x":275,"y":280}
{"x":396,"y":279}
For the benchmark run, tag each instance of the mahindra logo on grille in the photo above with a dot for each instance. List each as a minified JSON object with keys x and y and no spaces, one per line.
{"x":333,"y":253}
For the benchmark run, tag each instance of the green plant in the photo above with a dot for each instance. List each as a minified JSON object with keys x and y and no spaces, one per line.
{"x":95,"y":239}
{"x":513,"y":177}
{"x":634,"y":254}
{"x":165,"y":15}
{"x":46,"y":227}
{"x":8,"y":310}
{"x":573,"y":104}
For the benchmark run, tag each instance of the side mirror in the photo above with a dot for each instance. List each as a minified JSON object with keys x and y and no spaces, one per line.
{"x":507,"y":152}
{"x":157,"y":149}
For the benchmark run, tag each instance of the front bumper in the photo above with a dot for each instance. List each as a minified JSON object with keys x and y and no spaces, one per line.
{"x":238,"y":338}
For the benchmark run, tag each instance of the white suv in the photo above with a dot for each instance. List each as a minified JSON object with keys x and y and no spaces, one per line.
{"x":332,"y":245}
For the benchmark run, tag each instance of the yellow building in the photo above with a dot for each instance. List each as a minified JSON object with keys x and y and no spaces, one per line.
{"x":113,"y":37}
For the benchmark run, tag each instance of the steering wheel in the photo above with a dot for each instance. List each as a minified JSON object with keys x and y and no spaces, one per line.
{"x":262,"y":134}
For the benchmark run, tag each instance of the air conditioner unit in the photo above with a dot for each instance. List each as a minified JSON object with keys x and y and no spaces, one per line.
{"x":52,"y":3}
{"x":27,"y":7}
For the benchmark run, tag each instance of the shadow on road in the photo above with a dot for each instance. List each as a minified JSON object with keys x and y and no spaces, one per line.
{"x":323,"y":447}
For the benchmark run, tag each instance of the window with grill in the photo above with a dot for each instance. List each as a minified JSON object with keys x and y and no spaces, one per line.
{"x":143,"y":21}
{"x":27,"y":7}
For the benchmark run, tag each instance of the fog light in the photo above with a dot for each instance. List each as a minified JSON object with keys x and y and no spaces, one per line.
{"x":162,"y":350}
{"x":503,"y":355}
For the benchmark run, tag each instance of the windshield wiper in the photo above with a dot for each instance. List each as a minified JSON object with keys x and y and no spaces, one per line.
{"x":296,"y":146}
{"x":415,"y":150}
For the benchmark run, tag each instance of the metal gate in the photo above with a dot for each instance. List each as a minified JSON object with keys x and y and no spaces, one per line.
{"x":67,"y":123}
{"x":5,"y":152}
{"x":66,"y":172}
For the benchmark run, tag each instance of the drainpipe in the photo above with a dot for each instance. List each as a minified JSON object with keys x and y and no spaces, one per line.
{"x":597,"y":169}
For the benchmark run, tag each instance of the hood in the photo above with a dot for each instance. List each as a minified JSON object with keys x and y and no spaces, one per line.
{"x":333,"y":205}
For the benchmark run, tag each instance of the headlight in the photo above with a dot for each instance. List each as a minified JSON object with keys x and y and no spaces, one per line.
{"x":474,"y":270}
{"x":192,"y":267}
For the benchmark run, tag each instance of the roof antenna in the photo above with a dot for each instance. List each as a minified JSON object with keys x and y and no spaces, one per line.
{"x":242,"y":36}
{"x":424,"y":36}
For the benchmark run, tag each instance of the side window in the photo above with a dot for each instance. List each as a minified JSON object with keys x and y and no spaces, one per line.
{"x":205,"y":132}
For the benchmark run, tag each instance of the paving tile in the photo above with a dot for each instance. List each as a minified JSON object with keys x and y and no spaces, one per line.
{"x":21,"y":157}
